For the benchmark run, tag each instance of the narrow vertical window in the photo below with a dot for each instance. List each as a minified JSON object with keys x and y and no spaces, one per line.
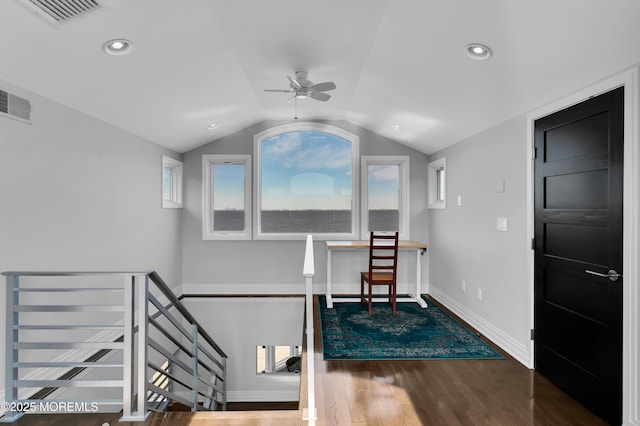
{"x":437,"y":184}
{"x":385,"y":195}
{"x":171,"y":183}
{"x":440,"y":184}
{"x":227,"y":195}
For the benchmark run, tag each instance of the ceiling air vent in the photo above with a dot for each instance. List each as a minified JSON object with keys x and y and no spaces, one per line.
{"x":14,"y":107}
{"x":59,"y":11}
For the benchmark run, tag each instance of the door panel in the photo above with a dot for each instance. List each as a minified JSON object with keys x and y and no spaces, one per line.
{"x":578,"y":227}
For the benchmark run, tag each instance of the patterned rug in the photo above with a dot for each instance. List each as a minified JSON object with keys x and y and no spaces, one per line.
{"x":348,"y":332}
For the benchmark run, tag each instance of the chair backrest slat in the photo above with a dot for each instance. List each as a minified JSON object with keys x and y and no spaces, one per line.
{"x":382,"y":249}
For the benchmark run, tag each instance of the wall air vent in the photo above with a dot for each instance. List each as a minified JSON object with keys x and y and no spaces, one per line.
{"x":14,"y":107}
{"x":59,"y":11}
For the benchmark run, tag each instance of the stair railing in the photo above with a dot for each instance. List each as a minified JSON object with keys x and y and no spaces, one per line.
{"x":309,"y":413}
{"x":61,"y":331}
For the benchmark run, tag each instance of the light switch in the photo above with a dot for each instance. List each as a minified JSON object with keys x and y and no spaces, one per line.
{"x":459,"y":200}
{"x":503,"y":224}
{"x":500,"y":186}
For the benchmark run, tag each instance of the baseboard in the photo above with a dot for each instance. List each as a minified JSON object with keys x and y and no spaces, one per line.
{"x":275,"y":289}
{"x":510,"y":345}
{"x":264,"y":396}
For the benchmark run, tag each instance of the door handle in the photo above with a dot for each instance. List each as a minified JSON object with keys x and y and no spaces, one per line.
{"x":612,"y":274}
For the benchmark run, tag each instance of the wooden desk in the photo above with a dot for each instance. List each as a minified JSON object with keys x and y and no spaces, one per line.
{"x":420,"y":249}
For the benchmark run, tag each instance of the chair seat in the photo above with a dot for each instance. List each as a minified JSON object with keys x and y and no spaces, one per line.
{"x":379,"y":278}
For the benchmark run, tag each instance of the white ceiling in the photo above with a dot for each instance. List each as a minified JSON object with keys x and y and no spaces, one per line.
{"x":197,"y":62}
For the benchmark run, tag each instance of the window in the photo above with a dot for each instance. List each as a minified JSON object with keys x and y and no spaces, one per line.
{"x":437,"y":177}
{"x":226,"y":186}
{"x":171,"y":183}
{"x":305,"y":181}
{"x":385,"y":195}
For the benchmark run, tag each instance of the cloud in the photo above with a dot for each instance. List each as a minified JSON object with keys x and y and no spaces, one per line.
{"x":384,"y":172}
{"x":307,"y":151}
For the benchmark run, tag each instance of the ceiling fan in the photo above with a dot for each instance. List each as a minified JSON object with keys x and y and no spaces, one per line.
{"x":303,"y":88}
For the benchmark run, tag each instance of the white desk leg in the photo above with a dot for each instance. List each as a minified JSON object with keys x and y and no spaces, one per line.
{"x":419,"y":298}
{"x":328,"y":294}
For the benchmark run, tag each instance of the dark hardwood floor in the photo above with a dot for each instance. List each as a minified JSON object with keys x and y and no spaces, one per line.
{"x":445,"y":392}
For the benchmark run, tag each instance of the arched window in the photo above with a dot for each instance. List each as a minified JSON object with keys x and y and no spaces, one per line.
{"x":305,"y":182}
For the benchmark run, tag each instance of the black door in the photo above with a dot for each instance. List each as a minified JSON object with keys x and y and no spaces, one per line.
{"x":578,"y":251}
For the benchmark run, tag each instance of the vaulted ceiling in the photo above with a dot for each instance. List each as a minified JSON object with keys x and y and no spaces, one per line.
{"x":395,"y":62}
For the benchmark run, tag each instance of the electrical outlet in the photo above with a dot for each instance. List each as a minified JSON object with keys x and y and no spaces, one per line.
{"x":463,"y":285}
{"x":479,"y":295}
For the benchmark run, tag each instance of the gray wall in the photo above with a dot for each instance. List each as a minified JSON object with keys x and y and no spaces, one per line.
{"x":228,"y":263}
{"x":464,"y":241}
{"x":239,"y":325}
{"x":79,"y":194}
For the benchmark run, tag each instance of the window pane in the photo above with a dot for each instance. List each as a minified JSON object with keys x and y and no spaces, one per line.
{"x":228,"y":197}
{"x":440,"y":184}
{"x":306,"y":183}
{"x":167,"y":181}
{"x":383,"y":197}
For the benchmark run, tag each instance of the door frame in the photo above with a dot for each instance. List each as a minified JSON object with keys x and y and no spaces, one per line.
{"x":630,"y":79}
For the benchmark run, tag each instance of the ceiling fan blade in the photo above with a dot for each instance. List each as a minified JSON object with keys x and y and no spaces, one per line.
{"x":294,"y":83}
{"x":278,"y":90}
{"x":323,"y":87}
{"x":320,"y":96}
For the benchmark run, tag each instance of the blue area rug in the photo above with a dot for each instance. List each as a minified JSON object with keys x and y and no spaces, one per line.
{"x":348,"y":332}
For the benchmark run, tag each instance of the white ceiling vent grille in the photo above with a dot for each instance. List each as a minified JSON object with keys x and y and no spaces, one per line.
{"x":14,"y":107}
{"x":59,"y":11}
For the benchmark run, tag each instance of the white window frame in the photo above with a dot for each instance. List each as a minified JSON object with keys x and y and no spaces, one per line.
{"x":355,"y":187}
{"x":175,"y":202}
{"x":402,"y":161}
{"x":432,"y":177}
{"x":208,"y":233}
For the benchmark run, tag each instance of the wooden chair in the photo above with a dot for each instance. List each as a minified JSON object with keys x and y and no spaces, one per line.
{"x":383,"y":264}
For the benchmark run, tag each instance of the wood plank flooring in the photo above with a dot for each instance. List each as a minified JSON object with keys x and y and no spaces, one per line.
{"x":443,"y":392}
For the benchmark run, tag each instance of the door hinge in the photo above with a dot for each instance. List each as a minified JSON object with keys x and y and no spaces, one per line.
{"x":533,"y":334}
{"x":533,"y":244}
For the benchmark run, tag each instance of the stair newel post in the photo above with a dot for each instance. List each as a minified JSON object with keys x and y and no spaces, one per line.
{"x":143,"y":344}
{"x":224,"y":383}
{"x":128,"y":349}
{"x":194,"y":367}
{"x":11,"y":338}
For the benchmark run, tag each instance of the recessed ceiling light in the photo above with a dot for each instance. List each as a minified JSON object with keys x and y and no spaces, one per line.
{"x":118,"y":46}
{"x":395,"y":127}
{"x":478,"y":51}
{"x":212,"y":126}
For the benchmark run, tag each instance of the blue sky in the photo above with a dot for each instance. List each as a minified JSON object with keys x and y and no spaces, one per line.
{"x":228,"y":186}
{"x":305,"y":170}
{"x":383,"y":187}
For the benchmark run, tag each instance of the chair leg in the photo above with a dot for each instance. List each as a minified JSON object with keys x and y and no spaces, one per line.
{"x":393,"y":304}
{"x":370,"y":298}
{"x":361,"y":290}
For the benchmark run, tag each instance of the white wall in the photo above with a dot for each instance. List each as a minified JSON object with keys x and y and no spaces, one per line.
{"x":80,"y":194}
{"x":276,"y":266}
{"x":464,"y":241}
{"x":239,"y":325}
